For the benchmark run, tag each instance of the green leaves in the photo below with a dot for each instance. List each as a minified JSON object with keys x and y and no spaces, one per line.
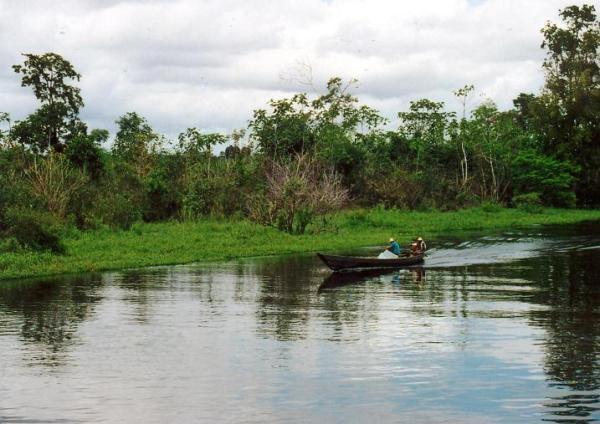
{"x":552,"y":178}
{"x":296,"y":125}
{"x":50,"y":76}
{"x":195,"y":143}
{"x":566,"y":114}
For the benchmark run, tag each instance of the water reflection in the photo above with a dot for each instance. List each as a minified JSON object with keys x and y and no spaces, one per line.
{"x":502,"y":328}
{"x":283,"y":304}
{"x":46,"y":313}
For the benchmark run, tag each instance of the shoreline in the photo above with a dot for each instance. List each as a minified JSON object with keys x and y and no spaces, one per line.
{"x":212,"y":240}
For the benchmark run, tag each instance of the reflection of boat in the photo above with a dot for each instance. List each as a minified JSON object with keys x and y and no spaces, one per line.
{"x":339,"y":279}
{"x":339,"y":263}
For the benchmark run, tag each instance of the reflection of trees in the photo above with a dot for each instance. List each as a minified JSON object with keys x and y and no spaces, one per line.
{"x":145,"y":289}
{"x":138,"y":287}
{"x":49,"y":311}
{"x":284,"y":297}
{"x":569,"y":286}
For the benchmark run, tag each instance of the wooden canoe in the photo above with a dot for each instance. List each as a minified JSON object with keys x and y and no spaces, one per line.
{"x":341,"y":263}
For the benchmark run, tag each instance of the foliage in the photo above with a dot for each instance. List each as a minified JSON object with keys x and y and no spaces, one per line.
{"x":210,"y":239}
{"x":162,"y":192}
{"x":218,"y":189}
{"x":551,"y":178}
{"x":529,"y":202}
{"x":309,"y":154}
{"x":84,"y":152}
{"x":54,"y":181}
{"x":299,"y":125}
{"x":296,"y":192}
{"x":397,"y":188}
{"x":49,"y":76}
{"x":568,"y":108}
{"x":195,"y":145}
{"x":33,"y":230}
{"x":136,"y":142}
{"x":425,"y":126}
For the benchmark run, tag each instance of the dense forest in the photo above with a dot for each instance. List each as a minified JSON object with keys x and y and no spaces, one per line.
{"x":304,"y":156}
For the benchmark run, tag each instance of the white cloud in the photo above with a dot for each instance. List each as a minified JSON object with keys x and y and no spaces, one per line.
{"x":210,"y":63}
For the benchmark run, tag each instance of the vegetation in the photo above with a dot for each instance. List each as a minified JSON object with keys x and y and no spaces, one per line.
{"x":299,"y":160}
{"x":210,"y":239}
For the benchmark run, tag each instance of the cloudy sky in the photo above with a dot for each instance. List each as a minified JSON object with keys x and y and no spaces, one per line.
{"x":209,"y":63}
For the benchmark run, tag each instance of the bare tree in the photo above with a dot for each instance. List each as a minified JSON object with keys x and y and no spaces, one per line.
{"x":54,"y":181}
{"x":463,"y":94}
{"x":296,"y":193}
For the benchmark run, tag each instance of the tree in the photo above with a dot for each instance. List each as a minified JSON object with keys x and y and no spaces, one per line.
{"x":286,"y":130}
{"x":425,"y":126}
{"x":4,"y":133}
{"x":195,"y":144}
{"x":50,"y":77}
{"x":298,"y":124}
{"x":54,"y":181}
{"x":463,"y":94}
{"x":84,"y":151}
{"x":494,"y":138}
{"x":136,"y":142}
{"x":570,"y":101}
{"x":545,"y":176}
{"x":296,"y":192}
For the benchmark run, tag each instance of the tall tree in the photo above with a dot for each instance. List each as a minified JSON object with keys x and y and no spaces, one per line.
{"x":425,"y":126}
{"x":50,"y":76}
{"x":134,"y":137}
{"x":571,"y":96}
{"x":136,"y":142}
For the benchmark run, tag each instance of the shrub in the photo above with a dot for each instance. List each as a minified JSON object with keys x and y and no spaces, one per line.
{"x":397,"y":189}
{"x":10,"y":245}
{"x":219,"y":186}
{"x":357,"y":218}
{"x":528,"y":202}
{"x":490,"y":206}
{"x":117,"y":211}
{"x":54,"y":182}
{"x":467,"y":199}
{"x":33,"y":230}
{"x":296,"y":193}
{"x":553,"y":179}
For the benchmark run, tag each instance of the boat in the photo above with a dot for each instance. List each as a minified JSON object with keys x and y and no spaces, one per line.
{"x":340,"y":279}
{"x":349,"y":263}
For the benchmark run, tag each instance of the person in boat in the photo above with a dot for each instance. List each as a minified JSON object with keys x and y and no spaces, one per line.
{"x":414,"y":247}
{"x":420,"y":247}
{"x":394,"y":247}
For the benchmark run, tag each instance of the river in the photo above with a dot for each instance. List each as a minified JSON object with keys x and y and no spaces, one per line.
{"x":502,"y":328}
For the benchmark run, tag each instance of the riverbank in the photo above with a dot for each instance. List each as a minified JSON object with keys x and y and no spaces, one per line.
{"x":213,"y":240}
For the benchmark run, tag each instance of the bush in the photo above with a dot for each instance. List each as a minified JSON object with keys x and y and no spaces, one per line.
{"x":54,"y":182}
{"x":357,"y":218}
{"x":553,"y":179}
{"x":296,"y":193}
{"x":490,"y":206}
{"x":10,"y":245}
{"x":117,"y":211}
{"x":33,"y":230}
{"x":397,"y":189}
{"x":467,"y":199}
{"x":219,"y":186}
{"x":528,"y":202}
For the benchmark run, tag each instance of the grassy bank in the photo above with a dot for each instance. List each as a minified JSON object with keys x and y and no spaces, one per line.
{"x":176,"y":243}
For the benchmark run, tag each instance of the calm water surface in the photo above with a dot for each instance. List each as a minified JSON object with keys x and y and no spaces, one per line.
{"x":496,"y":329}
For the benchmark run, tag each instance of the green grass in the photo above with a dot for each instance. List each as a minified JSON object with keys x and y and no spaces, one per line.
{"x":212,"y":240}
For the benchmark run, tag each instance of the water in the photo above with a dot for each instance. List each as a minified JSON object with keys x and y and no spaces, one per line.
{"x":502,"y":328}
